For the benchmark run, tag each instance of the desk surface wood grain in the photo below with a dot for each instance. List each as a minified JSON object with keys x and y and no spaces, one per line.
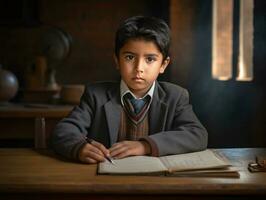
{"x":31,"y":171}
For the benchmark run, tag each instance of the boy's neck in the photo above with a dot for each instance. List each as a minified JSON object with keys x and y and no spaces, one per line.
{"x":137,"y":94}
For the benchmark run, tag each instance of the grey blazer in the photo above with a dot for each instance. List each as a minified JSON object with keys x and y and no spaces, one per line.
{"x":173,"y":126}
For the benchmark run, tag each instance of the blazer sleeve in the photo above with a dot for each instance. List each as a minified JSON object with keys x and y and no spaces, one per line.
{"x":70,"y":133}
{"x":186,"y":134}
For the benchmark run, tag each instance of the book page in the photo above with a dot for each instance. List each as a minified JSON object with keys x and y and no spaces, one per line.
{"x":132,"y":165}
{"x":206,"y":159}
{"x":227,"y":172}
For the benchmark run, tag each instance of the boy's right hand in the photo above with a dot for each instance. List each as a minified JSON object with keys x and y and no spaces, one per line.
{"x":93,"y":152}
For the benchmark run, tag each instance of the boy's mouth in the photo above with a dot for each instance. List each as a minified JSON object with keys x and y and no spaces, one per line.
{"x":138,"y":79}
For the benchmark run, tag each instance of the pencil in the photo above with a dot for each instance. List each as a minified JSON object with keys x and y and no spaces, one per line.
{"x":106,"y":157}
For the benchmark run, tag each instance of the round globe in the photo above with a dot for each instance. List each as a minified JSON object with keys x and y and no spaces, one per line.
{"x":8,"y":85}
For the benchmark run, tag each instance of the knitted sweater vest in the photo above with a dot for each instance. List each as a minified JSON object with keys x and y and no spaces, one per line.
{"x":131,"y":131}
{"x":133,"y":126}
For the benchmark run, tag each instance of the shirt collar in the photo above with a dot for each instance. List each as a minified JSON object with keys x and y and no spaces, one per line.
{"x":124,"y":90}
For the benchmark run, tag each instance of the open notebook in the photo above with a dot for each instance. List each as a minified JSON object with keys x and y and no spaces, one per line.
{"x":203,"y":163}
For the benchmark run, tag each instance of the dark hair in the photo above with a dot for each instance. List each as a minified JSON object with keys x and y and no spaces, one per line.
{"x":147,"y":28}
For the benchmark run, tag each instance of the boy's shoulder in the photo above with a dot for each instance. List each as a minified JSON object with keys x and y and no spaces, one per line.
{"x":170,"y":90}
{"x":168,"y":87}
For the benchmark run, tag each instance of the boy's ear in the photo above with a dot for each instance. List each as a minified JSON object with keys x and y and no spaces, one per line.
{"x":164,"y":64}
{"x":116,"y":61}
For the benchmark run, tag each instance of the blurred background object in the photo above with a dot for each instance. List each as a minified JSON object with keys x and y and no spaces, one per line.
{"x":8,"y":85}
{"x":71,"y":94}
{"x":55,"y":46}
{"x":40,"y":80}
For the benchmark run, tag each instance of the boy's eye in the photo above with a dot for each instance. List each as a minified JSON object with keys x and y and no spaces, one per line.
{"x":150,"y":59}
{"x":129,"y":57}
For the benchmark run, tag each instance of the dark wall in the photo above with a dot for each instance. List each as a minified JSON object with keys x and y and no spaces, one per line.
{"x":92,"y":25}
{"x":233,"y":112}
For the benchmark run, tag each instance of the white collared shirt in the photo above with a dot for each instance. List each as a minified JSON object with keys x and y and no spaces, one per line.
{"x":124,"y":90}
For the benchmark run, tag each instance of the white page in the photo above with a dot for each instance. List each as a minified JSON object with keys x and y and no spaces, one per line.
{"x":131,"y":165}
{"x":191,"y":161}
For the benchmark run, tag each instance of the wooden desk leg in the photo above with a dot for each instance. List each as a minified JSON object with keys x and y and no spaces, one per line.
{"x":40,"y":135}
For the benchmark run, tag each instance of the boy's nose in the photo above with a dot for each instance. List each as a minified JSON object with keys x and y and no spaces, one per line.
{"x":139,"y":66}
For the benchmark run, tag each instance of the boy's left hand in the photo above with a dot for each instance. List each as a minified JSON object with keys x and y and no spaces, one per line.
{"x":129,"y":148}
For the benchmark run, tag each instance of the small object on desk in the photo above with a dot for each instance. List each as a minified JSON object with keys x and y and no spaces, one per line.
{"x":261,"y":160}
{"x":110,"y":160}
{"x":259,"y":165}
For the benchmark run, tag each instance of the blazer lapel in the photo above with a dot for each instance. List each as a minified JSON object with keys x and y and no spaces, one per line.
{"x":158,"y":111}
{"x":113,"y":111}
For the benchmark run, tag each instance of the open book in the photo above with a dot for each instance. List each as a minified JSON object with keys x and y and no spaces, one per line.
{"x":204,"y":163}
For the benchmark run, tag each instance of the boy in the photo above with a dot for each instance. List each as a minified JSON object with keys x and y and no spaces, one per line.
{"x":138,"y":115}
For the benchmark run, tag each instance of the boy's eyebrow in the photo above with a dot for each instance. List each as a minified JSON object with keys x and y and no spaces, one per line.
{"x":148,"y":54}
{"x":151,"y":54}
{"x":127,"y":52}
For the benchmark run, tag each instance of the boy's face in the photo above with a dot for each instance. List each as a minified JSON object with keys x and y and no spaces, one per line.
{"x":140,"y":62}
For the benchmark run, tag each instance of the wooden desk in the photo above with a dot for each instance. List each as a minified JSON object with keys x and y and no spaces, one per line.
{"x":40,"y":175}
{"x":17,"y":121}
